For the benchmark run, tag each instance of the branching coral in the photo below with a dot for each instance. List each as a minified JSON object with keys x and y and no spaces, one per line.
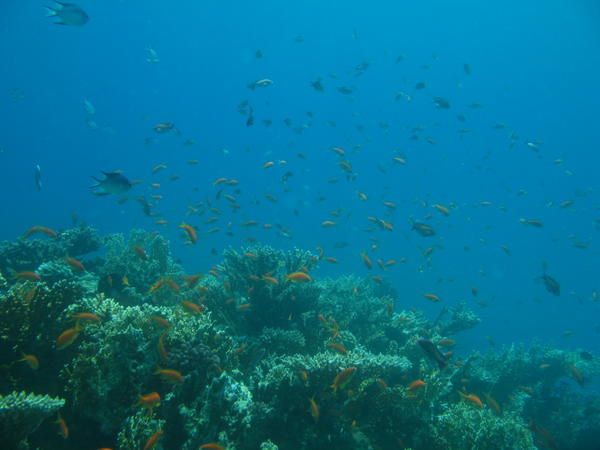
{"x":22,"y":413}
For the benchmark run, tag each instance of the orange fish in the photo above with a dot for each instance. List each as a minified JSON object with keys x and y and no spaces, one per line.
{"x":492,"y":403}
{"x":156,"y":286}
{"x":41,"y":230}
{"x":75,"y":264}
{"x":162,"y":351}
{"x":149,"y":401}
{"x":170,"y":375}
{"x":31,"y":360}
{"x":244,"y":307}
{"x":63,"y":429}
{"x":303,"y":374}
{"x":90,"y":317}
{"x":140,"y":252}
{"x":212,"y":446}
{"x":192,"y":280}
{"x":432,"y":297}
{"x":446,"y":342}
{"x":153,"y":440}
{"x":172,"y":285}
{"x":191,"y":307}
{"x":298,"y":277}
{"x":160,"y":321}
{"x":270,"y":279}
{"x":472,"y":399}
{"x":342,"y":378}
{"x":27,"y":276}
{"x":338,"y":347}
{"x":442,"y":209}
{"x":366,"y":260}
{"x":416,"y":385}
{"x":68,"y":336}
{"x":314,"y":409}
{"x":191,"y":232}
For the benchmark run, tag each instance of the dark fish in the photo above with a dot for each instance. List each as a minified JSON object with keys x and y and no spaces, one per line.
{"x":345,"y":90}
{"x":551,"y":284}
{"x":317,"y":85}
{"x":432,"y":352}
{"x":113,"y":183}
{"x":38,"y":177}
{"x":467,"y":69}
{"x":441,"y":102}
{"x":250,"y":119}
{"x":164,"y":127}
{"x":67,"y":14}
{"x":420,"y":85}
{"x":423,"y":229}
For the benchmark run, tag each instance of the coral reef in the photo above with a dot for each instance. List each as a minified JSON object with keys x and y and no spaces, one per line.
{"x":260,"y":353}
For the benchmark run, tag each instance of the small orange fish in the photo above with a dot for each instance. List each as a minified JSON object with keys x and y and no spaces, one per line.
{"x":212,"y":446}
{"x":432,"y":297}
{"x":191,"y":232}
{"x":342,"y":378}
{"x":270,"y":279}
{"x":41,"y":230}
{"x":191,"y":307}
{"x":416,"y":385}
{"x":31,"y":360}
{"x":140,"y":252}
{"x":160,"y":321}
{"x":27,"y":276}
{"x":192,"y":280}
{"x":314,"y":409}
{"x":162,"y":350}
{"x":244,"y":307}
{"x":170,"y":375}
{"x":156,"y":286}
{"x":149,"y":401}
{"x":366,"y":260}
{"x":68,"y":336}
{"x":442,"y":209}
{"x":298,"y":277}
{"x":63,"y":429}
{"x":472,"y":399}
{"x":338,"y":347}
{"x":303,"y":374}
{"x":172,"y":285}
{"x":446,"y":342}
{"x":153,"y":440}
{"x":492,"y":403}
{"x":75,"y":264}
{"x":86,"y":316}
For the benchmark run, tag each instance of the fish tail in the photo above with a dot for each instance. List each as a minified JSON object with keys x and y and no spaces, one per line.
{"x":49,"y":11}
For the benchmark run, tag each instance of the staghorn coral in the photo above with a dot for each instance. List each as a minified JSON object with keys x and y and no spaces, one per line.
{"x":465,"y":427}
{"x":21,"y":413}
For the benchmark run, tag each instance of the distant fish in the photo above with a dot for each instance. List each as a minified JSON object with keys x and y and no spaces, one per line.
{"x":264,"y":82}
{"x":433,"y":352}
{"x":67,"y":14}
{"x":113,"y":183}
{"x":551,"y":284}
{"x":441,"y":103}
{"x":37,"y":175}
{"x":423,"y":229}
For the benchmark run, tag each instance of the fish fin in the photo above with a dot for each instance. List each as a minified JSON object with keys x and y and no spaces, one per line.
{"x":50,"y":12}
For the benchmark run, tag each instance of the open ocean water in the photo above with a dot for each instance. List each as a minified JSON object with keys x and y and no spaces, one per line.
{"x":299,"y":225}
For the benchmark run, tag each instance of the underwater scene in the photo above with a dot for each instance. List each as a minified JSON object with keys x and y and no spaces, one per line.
{"x":299,"y":225}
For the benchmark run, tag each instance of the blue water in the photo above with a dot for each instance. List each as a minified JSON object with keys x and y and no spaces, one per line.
{"x":534,"y":66}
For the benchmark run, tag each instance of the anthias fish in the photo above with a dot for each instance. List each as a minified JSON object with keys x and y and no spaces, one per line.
{"x":433,"y":352}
